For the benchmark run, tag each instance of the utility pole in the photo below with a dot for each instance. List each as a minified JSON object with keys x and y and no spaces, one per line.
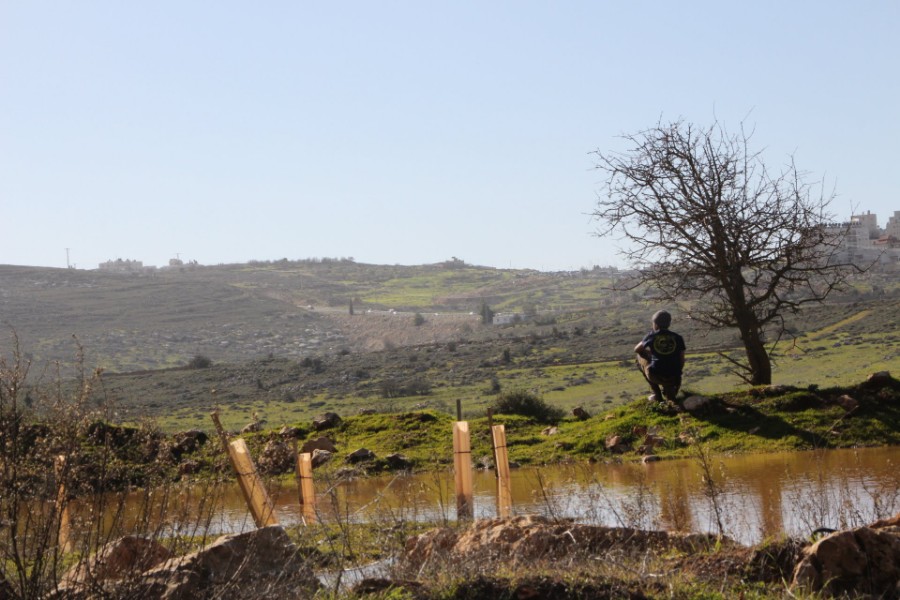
{"x":68,"y":264}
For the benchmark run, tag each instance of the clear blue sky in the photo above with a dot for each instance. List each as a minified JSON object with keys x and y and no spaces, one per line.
{"x":406,"y":132}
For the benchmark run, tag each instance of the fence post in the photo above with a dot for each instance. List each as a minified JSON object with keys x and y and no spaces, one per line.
{"x":307,"y":488}
{"x":504,"y":490}
{"x":64,"y":536}
{"x":255,"y":495}
{"x":462,"y":463}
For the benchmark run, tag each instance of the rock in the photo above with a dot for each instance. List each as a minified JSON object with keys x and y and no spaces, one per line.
{"x":579,"y":413}
{"x":291,"y":433}
{"x":320,"y":443}
{"x":880,"y":378}
{"x":848,"y":403}
{"x":367,"y":411}
{"x":258,"y":564}
{"x":327,"y":421}
{"x":189,"y":467}
{"x":693,"y":403}
{"x":609,"y":417}
{"x":125,"y":557}
{"x":857,"y":561}
{"x":188,"y":442}
{"x":320,"y":457}
{"x":754,"y":430}
{"x":639,"y":430}
{"x":398,"y":462}
{"x":525,"y":539}
{"x":357,"y":456}
{"x":276,"y":457}
{"x":613,"y":442}
{"x":649,"y":458}
{"x":485,"y":462}
{"x":553,"y":430}
{"x":253,"y":427}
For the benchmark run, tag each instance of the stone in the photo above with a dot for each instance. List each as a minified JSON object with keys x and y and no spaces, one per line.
{"x":613,"y":442}
{"x":579,"y":413}
{"x":253,"y":427}
{"x":320,"y":457}
{"x":848,"y":403}
{"x":398,"y":462}
{"x":188,"y":442}
{"x":328,"y":420}
{"x":693,"y":403}
{"x":262,"y":563}
{"x":276,"y":457}
{"x":291,"y":433}
{"x":649,"y":458}
{"x":320,"y":443}
{"x":880,"y":378}
{"x":529,"y":538}
{"x":361,"y":455}
{"x":865,"y":560}
{"x":553,"y":430}
{"x":124,"y":557}
{"x":639,"y":430}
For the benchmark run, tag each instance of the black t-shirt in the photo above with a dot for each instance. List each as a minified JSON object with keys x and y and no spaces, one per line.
{"x":665,"y":348}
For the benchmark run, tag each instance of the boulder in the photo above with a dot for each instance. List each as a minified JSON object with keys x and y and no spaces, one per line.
{"x":291,"y":433}
{"x":879,"y":378}
{"x":525,"y":539}
{"x":328,"y":420}
{"x":693,"y":403}
{"x":320,"y":457}
{"x":262,"y":563}
{"x":276,"y":457}
{"x":188,"y":442}
{"x":320,"y":443}
{"x":357,"y":456}
{"x":579,"y":413}
{"x":847,"y":402}
{"x":252,"y":427}
{"x":865,"y":560}
{"x":125,"y":557}
{"x":398,"y":462}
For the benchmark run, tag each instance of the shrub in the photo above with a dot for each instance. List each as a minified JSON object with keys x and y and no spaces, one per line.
{"x":200,"y":361}
{"x":527,"y":404}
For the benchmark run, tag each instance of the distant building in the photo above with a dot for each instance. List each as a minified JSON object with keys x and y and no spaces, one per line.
{"x":124,"y":266}
{"x":864,"y":242}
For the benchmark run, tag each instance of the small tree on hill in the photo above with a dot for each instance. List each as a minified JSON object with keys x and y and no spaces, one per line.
{"x":705,"y":219}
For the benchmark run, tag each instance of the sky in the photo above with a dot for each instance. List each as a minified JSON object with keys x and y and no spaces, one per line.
{"x":408,"y":132}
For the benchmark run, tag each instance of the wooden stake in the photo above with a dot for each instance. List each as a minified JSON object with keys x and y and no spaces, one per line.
{"x":307,"y":489}
{"x":64,"y":537}
{"x":462,"y":463}
{"x":261,"y":506}
{"x":504,"y":490}
{"x":258,"y":501}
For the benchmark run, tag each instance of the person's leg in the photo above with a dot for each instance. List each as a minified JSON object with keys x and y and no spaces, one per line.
{"x":671,"y":387}
{"x":644,"y":366}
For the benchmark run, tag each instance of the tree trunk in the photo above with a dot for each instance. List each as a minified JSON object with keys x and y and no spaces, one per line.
{"x":757,"y":357}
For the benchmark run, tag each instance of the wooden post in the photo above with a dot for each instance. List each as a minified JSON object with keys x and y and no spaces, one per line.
{"x":462,"y":463}
{"x":64,"y":536}
{"x":458,"y":409}
{"x":307,"y":489}
{"x":504,"y":490}
{"x":490,"y":416}
{"x":255,"y":495}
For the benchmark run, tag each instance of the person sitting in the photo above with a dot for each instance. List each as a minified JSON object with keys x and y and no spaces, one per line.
{"x":660,"y":356}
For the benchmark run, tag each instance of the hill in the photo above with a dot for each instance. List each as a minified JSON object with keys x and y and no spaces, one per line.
{"x":283,"y":341}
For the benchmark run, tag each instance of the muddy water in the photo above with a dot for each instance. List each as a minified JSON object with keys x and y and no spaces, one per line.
{"x":749,"y":497}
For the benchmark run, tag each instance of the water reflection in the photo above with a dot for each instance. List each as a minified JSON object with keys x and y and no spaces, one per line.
{"x":752,"y":496}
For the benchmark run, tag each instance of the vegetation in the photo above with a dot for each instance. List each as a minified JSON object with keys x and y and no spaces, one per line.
{"x":706,"y":220}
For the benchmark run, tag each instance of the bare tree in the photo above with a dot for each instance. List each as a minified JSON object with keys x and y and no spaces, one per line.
{"x":706,"y":222}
